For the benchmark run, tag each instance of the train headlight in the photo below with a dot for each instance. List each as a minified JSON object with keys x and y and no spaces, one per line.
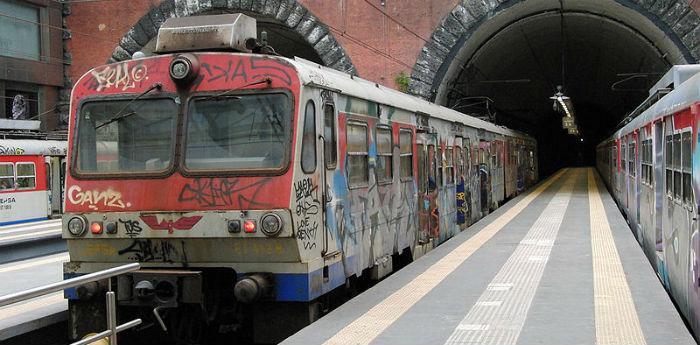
{"x":77,"y":226}
{"x":271,"y":224}
{"x":184,"y":68}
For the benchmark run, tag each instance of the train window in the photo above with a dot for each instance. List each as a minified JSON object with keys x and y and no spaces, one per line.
{"x":308,"y":140}
{"x":624,"y":158}
{"x":632,"y":160}
{"x":126,"y":136}
{"x":677,"y":150}
{"x":460,"y":163}
{"x":384,"y":169}
{"x":467,"y":158}
{"x":7,"y":176}
{"x":441,"y":167}
{"x":422,"y":180}
{"x":669,"y":165}
{"x":331,"y":147}
{"x":358,"y":167}
{"x":449,"y":165}
{"x":432,"y":184}
{"x":26,"y":175}
{"x":406,"y":160}
{"x":687,"y":167}
{"x":243,"y":133}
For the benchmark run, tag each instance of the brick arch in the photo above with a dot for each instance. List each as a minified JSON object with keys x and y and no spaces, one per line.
{"x":288,"y":13}
{"x":678,"y":20}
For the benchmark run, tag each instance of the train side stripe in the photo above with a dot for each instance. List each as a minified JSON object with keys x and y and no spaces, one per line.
{"x":616,"y":319}
{"x":368,"y":326}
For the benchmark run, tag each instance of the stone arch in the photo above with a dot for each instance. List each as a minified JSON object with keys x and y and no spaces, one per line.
{"x":286,"y":13}
{"x":676,"y":20}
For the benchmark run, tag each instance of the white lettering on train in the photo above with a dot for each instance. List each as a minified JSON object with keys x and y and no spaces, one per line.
{"x":96,"y":198}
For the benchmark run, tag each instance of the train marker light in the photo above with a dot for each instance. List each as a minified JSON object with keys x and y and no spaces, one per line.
{"x":111,"y":227}
{"x":234,"y":226}
{"x":271,"y":224}
{"x":96,"y":227}
{"x":249,"y":226}
{"x":77,"y":226}
{"x":184,"y":68}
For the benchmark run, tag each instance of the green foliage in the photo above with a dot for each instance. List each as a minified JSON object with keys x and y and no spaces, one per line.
{"x":402,"y":80}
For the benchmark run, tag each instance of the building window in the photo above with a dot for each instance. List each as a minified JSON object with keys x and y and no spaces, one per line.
{"x":384,"y":169}
{"x":19,"y":25}
{"x":21,"y":105}
{"x":358,"y":167}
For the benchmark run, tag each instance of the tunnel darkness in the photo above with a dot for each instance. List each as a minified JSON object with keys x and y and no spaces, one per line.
{"x":509,"y":71}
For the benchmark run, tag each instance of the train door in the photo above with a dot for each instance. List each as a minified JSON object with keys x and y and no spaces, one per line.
{"x":460,"y":184}
{"x":658,"y":163}
{"x":55,"y":175}
{"x":427,"y":186}
{"x":333,"y":211}
{"x":632,"y":178}
{"x":484,"y":176}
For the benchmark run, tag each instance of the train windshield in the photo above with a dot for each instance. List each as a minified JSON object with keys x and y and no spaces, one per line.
{"x":125,"y":136}
{"x":244,"y":132}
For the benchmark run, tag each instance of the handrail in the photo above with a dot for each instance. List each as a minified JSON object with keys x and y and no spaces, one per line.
{"x":113,"y":329}
{"x":66,"y":284}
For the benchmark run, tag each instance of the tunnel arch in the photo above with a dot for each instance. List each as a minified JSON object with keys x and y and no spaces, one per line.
{"x":508,"y":55}
{"x":671,"y":25}
{"x":306,"y":32}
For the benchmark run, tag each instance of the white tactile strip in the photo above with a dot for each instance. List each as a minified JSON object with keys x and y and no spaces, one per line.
{"x":515,"y":285}
{"x":616,"y":319}
{"x":367,"y":327}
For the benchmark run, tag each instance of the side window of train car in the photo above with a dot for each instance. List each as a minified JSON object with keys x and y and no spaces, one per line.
{"x":26,"y":175}
{"x":623,"y":158}
{"x":406,"y":160}
{"x":687,"y":165}
{"x":632,"y":159}
{"x":358,"y":167}
{"x":331,"y":146}
{"x":467,"y":157}
{"x":308,"y":141}
{"x":7,"y":176}
{"x":669,"y":165}
{"x":440,"y":166}
{"x":677,"y":150}
{"x":459,"y":170}
{"x":449,"y":164}
{"x":422,"y":172}
{"x":385,"y":173}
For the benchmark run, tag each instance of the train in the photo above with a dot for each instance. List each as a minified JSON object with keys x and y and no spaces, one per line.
{"x":257,"y":190}
{"x":31,"y":179}
{"x":651,"y":167}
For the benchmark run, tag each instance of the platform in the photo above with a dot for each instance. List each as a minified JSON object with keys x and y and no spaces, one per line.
{"x":37,"y":313}
{"x":557,"y":265}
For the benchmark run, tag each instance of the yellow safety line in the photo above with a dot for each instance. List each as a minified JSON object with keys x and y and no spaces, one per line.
{"x":616,"y":320}
{"x":34,"y":304}
{"x":33,"y":262}
{"x":369,"y":325}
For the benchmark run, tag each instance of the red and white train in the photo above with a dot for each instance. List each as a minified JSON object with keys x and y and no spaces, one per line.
{"x":31,"y":179}
{"x":252,"y":187}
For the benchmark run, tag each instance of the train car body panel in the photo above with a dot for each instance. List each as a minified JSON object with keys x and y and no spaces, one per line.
{"x":657,"y":188}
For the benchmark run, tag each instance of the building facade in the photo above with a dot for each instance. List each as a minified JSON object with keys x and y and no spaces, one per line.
{"x":31,"y":66}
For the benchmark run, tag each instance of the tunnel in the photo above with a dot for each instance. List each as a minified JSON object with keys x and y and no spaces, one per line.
{"x":509,"y":60}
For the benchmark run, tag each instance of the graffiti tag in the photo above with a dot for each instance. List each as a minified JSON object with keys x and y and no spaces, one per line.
{"x":11,"y":150}
{"x":307,"y":206}
{"x":96,"y":198}
{"x":148,"y":251}
{"x":211,"y":192}
{"x":120,"y":76}
{"x":132,"y":227}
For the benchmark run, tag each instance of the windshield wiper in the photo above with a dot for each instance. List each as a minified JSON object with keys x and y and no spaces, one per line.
{"x":266,"y":80}
{"x":118,"y":115}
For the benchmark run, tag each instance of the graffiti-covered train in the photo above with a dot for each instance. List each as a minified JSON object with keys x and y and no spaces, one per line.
{"x":651,"y":166}
{"x":253,"y":188}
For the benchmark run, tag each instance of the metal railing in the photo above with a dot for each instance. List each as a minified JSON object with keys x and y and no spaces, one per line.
{"x":112,"y":328}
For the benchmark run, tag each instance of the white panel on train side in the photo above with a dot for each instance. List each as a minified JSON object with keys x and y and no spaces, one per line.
{"x":19,"y":206}
{"x":24,"y":147}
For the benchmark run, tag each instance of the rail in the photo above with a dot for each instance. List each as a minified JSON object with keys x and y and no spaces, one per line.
{"x":113,"y":329}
